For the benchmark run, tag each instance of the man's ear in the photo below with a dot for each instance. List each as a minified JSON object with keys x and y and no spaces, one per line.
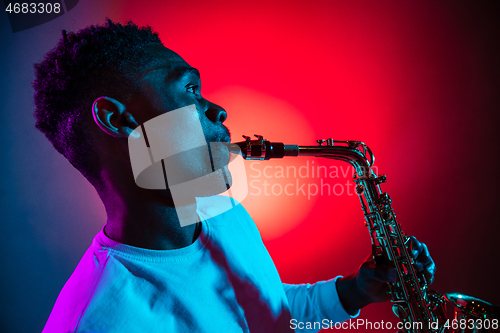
{"x":112,"y":117}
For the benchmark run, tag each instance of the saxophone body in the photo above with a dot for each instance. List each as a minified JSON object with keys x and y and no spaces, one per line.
{"x":420,"y":310}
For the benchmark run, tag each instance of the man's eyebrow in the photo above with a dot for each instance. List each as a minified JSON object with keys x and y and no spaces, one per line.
{"x":185,"y":71}
{"x":180,"y":72}
{"x":176,"y":73}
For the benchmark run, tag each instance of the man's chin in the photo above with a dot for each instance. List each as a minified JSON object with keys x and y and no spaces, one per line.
{"x":205,"y":186}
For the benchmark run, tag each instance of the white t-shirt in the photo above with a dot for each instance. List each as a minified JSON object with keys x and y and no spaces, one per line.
{"x":224,"y":282}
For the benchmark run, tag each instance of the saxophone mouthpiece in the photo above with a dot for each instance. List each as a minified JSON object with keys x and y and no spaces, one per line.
{"x":261,"y":149}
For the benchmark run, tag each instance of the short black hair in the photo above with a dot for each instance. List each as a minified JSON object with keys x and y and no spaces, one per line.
{"x":96,"y":61}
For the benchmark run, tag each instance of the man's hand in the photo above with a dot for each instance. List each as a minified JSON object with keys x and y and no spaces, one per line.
{"x":369,"y":283}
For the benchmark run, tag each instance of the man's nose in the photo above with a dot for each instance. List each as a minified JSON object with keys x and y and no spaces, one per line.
{"x":215,"y":113}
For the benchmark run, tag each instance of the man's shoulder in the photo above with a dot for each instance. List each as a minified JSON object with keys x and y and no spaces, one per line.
{"x":98,"y":290}
{"x":77,"y":291}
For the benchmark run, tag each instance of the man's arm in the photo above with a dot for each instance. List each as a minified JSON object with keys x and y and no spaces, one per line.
{"x":313,"y":303}
{"x":342,"y":298}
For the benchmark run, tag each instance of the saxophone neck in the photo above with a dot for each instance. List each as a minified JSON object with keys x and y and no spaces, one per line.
{"x":355,"y":153}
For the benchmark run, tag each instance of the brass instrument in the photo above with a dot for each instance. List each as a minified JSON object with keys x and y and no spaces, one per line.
{"x":412,"y":301}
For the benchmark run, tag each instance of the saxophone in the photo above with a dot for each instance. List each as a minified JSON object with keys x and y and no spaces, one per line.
{"x":420,"y":310}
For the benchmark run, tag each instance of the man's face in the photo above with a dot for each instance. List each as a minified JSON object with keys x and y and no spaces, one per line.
{"x":168,"y":84}
{"x":171,"y":83}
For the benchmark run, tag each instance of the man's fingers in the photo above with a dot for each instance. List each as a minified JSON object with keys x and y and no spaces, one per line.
{"x":415,"y":247}
{"x":420,"y":251}
{"x":424,"y":261}
{"x":429,"y":274}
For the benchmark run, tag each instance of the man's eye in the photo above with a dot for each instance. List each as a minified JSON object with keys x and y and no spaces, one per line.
{"x":192,"y":89}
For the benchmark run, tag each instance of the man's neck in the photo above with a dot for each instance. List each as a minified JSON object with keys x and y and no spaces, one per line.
{"x":149,"y":222}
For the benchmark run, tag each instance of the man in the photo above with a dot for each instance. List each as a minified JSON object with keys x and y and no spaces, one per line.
{"x":143,"y":271}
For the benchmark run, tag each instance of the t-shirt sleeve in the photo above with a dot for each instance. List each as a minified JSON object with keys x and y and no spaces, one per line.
{"x":314,"y":303}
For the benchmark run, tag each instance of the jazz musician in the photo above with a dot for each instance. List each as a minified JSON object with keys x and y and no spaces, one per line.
{"x":143,"y":272}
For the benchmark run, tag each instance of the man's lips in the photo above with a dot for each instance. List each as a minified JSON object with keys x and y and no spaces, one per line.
{"x":227,"y":135}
